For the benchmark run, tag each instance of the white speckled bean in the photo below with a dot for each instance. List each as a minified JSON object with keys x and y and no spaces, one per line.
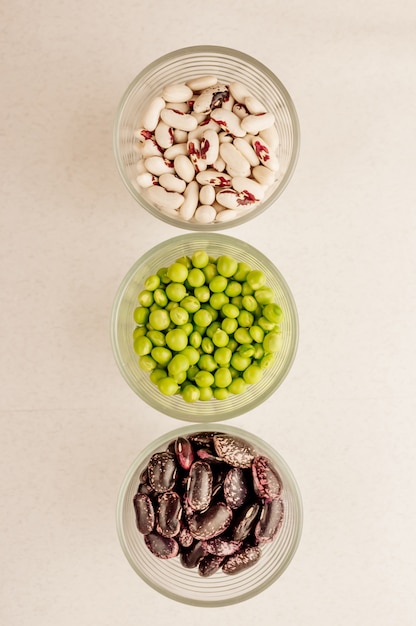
{"x":247,"y":151}
{"x":184,"y":168}
{"x":204,"y":102}
{"x":263,"y":175}
{"x":202,"y":82}
{"x":210,"y":146}
{"x":152,"y":112}
{"x":200,"y":117}
{"x":150,"y":148}
{"x":228,"y":104}
{"x":180,"y":136}
{"x":254,"y":106}
{"x":228,"y":198}
{"x":236,"y":163}
{"x":207,"y":194}
{"x":205,"y":214}
{"x":271,"y":136}
{"x":226,"y":215}
{"x":219,"y":165}
{"x":164,"y":200}
{"x":255,"y":123}
{"x":177,"y":119}
{"x":146,"y":179}
{"x":240,"y":110}
{"x":248,"y":186}
{"x":265,"y":154}
{"x":177,"y":93}
{"x":190,"y":202}
{"x":164,"y":135}
{"x":158,"y":165}
{"x":140,"y":166}
{"x":201,"y":128}
{"x":142,"y":134}
{"x":238,"y":91}
{"x":228,"y":122}
{"x":172,"y":183}
{"x":225,"y":137}
{"x":213,"y":177}
{"x":183,"y":107}
{"x":173,"y":151}
{"x":194,"y":152}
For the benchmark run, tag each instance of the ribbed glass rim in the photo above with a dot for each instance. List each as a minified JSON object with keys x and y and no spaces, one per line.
{"x":166,"y":405}
{"x":217,"y":51}
{"x":258,"y":443}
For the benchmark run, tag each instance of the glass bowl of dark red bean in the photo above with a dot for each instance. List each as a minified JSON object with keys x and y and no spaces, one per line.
{"x":209,"y":515}
{"x":204,"y":327}
{"x":206,"y":137}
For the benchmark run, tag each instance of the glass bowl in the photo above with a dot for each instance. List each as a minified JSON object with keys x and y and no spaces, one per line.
{"x":173,"y":580}
{"x":123,"y":325}
{"x":228,"y":65}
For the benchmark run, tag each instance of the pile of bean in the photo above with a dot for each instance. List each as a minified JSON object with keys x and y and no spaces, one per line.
{"x":206,"y":327}
{"x":207,"y":150}
{"x":212,"y":500}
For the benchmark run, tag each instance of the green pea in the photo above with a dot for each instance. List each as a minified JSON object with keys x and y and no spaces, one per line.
{"x":212,"y":328}
{"x":242,"y":271}
{"x":205,"y":394}
{"x":159,"y":319}
{"x":200,"y":259}
{"x":222,"y":377}
{"x":185,"y":260}
{"x":180,"y":377}
{"x":204,"y":379}
{"x":161,"y":355}
{"x":237,"y":386}
{"x":202,"y":294}
{"x":177,"y":272}
{"x":252,"y":374}
{"x":230,"y":310}
{"x":264,"y":295}
{"x":238,"y":302}
{"x":232,"y":344}
{"x":152,"y":282}
{"x":220,"y":338}
{"x":162,"y":273}
{"x":234,"y":373}
{"x":167,"y":386}
{"x":142,"y":346}
{"x":156,"y":375}
{"x":190,"y":304}
{"x":223,"y":356}
{"x":233,"y":289}
{"x":210,"y":271}
{"x":226,"y":265}
{"x":256,"y":279}
{"x":175,"y":291}
{"x":179,"y":316}
{"x":141,"y":315}
{"x":176,"y":339}
{"x":258,"y":351}
{"x":218,"y":300}
{"x":267,"y":361}
{"x":207,"y":345}
{"x":246,"y":349}
{"x":191,"y":354}
{"x":156,"y":337}
{"x":160,"y":297}
{"x":179,"y":363}
{"x":192,"y":372}
{"x":207,"y":362}
{"x":272,"y":342}
{"x":200,"y":329}
{"x":195,"y":339}
{"x":196,"y":277}
{"x":229,"y":324}
{"x":187,"y":328}
{"x":245,"y":319}
{"x":139,"y":331}
{"x":202,"y":318}
{"x":146,"y":363}
{"x":221,"y":394}
{"x":256,"y":333}
{"x":265,"y":324}
{"x":273,"y":313}
{"x":246,"y":290}
{"x":190,"y":393}
{"x":242,"y":335}
{"x":218,"y":284}
{"x":171,"y":305}
{"x":249,"y":303}
{"x":239,"y":362}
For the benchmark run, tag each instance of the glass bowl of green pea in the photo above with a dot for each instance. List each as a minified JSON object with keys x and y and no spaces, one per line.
{"x":204,"y":327}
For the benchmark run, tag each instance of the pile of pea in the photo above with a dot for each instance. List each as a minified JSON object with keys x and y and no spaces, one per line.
{"x":206,"y":327}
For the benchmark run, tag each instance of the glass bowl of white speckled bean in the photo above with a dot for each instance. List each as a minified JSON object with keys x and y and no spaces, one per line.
{"x":226,"y":198}
{"x":227,"y":401}
{"x":186,"y":584}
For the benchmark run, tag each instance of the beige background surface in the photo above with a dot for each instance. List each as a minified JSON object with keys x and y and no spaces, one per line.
{"x":343,"y":235}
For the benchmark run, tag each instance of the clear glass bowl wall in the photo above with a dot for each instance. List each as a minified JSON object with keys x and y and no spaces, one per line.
{"x":169,"y":577}
{"x":122,"y":326}
{"x":228,"y":65}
